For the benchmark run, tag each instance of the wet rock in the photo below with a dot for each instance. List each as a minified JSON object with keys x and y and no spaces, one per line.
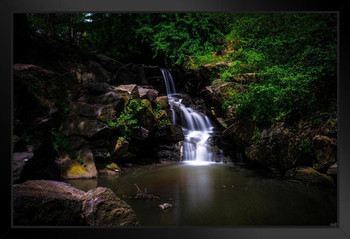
{"x":169,"y":133}
{"x":309,"y":175}
{"x":19,"y":161}
{"x":83,"y":166}
{"x":163,"y":101}
{"x":102,"y":207}
{"x":185,"y":99}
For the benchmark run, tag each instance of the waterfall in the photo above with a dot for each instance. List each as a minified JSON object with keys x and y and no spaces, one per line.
{"x":196,"y":127}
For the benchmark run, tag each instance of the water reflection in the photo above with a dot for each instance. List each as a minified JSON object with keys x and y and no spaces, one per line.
{"x":220,"y":195}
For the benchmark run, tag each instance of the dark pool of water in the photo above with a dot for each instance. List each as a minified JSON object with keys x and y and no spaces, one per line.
{"x":220,"y":195}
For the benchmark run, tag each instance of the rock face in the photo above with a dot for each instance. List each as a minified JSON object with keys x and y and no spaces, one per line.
{"x":84,"y":127}
{"x":102,"y":207}
{"x":43,"y":202}
{"x":19,"y":160}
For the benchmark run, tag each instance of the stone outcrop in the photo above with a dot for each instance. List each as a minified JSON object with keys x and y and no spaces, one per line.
{"x":44,"y":203}
{"x":309,"y":175}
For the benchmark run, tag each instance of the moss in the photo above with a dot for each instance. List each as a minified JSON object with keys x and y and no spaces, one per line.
{"x":76,"y":169}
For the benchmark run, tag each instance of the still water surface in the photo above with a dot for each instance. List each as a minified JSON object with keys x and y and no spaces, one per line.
{"x":219,"y":195}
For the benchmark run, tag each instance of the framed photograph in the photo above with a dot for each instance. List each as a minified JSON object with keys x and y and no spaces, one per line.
{"x":175,"y":119}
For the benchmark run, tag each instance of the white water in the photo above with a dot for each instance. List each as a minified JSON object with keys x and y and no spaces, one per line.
{"x":196,"y":127}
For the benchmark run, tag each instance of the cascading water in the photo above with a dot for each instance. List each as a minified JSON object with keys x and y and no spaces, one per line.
{"x":196,"y":127}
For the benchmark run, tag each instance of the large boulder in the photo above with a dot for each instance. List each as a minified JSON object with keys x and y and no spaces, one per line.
{"x":44,"y":202}
{"x":83,"y":166}
{"x":128,"y":90}
{"x":147,"y":92}
{"x":309,"y":175}
{"x":102,"y":207}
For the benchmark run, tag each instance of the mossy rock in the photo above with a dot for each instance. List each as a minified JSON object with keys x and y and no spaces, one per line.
{"x":83,"y":166}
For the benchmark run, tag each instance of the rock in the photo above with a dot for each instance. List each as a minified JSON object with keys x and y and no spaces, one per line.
{"x":129,"y":90}
{"x":146,"y":118}
{"x":84,"y":127}
{"x":333,"y":170}
{"x":185,"y":99}
{"x":146,"y":92}
{"x":109,"y":63}
{"x":325,"y":151}
{"x":121,"y":150}
{"x":101,"y":153}
{"x":243,"y":131}
{"x":97,"y":88}
{"x":81,"y":167}
{"x":109,"y":98}
{"x":165,"y":206}
{"x":100,"y":112}
{"x":163,"y":101}
{"x":99,"y":73}
{"x":142,"y":134}
{"x":19,"y":160}
{"x":169,"y":133}
{"x":43,"y":202}
{"x":76,"y":141}
{"x":130,"y":74}
{"x":102,"y":207}
{"x":309,"y":175}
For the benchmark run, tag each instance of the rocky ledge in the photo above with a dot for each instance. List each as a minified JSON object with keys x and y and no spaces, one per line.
{"x":44,"y":202}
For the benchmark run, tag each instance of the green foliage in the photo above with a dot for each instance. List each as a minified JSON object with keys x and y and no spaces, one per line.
{"x":158,"y":109}
{"x":127,"y":120}
{"x":293,"y":55}
{"x":307,"y":146}
{"x":296,"y":70}
{"x":80,"y":160}
{"x":257,"y":135}
{"x":60,"y":142}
